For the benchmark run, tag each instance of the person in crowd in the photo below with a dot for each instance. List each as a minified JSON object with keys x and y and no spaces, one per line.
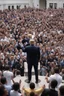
{"x":55,"y":76}
{"x":32,"y":94}
{"x":61,"y":91}
{"x":14,"y":92}
{"x":19,"y":65}
{"x":27,"y":91}
{"x":11,"y":61}
{"x":62,"y":61}
{"x":8,"y":75}
{"x":4,"y":83}
{"x":43,"y":70}
{"x":62,"y":73}
{"x":3,"y":91}
{"x":51,"y":91}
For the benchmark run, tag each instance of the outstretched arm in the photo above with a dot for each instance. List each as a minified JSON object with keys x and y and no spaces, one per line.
{"x":38,"y":91}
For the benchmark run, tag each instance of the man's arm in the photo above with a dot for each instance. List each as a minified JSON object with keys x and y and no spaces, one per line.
{"x":38,"y":91}
{"x":26,"y":90}
{"x":24,"y":49}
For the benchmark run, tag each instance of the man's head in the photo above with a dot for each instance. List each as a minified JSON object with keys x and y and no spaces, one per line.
{"x":18,"y":72}
{"x":56,"y":70}
{"x":7,"y":67}
{"x":31,"y":41}
{"x":3,"y":80}
{"x":16,"y":86}
{"x":53,"y":84}
{"x":32,"y":94}
{"x":32,"y":85}
{"x":63,"y":71}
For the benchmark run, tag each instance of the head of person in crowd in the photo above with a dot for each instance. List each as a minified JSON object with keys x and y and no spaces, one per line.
{"x":6,"y":61}
{"x":62,"y":70}
{"x":12,"y":57}
{"x":61,"y":90}
{"x":16,"y":86}
{"x":53,"y":64}
{"x":56,"y":70}
{"x":32,"y":94}
{"x":18,"y":72}
{"x":53,"y":84}
{"x":21,"y":61}
{"x":32,"y":85}
{"x":3,"y":80}
{"x":7,"y":67}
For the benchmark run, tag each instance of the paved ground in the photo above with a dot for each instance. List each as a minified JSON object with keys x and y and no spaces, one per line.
{"x":24,"y":78}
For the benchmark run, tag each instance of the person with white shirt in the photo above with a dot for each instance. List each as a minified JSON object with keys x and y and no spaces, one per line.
{"x":15,"y":91}
{"x":56,"y":76}
{"x":4,"y":83}
{"x":8,"y":75}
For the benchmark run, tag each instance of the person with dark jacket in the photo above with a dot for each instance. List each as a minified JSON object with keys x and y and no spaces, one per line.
{"x":51,"y":91}
{"x":33,"y":56}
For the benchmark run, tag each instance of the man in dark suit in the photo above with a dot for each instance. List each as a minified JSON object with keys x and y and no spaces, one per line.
{"x":33,"y":56}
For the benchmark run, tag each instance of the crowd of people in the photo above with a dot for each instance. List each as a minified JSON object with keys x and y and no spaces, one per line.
{"x":46,"y":27}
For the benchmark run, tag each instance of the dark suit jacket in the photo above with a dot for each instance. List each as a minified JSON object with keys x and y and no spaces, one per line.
{"x":33,"y":54}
